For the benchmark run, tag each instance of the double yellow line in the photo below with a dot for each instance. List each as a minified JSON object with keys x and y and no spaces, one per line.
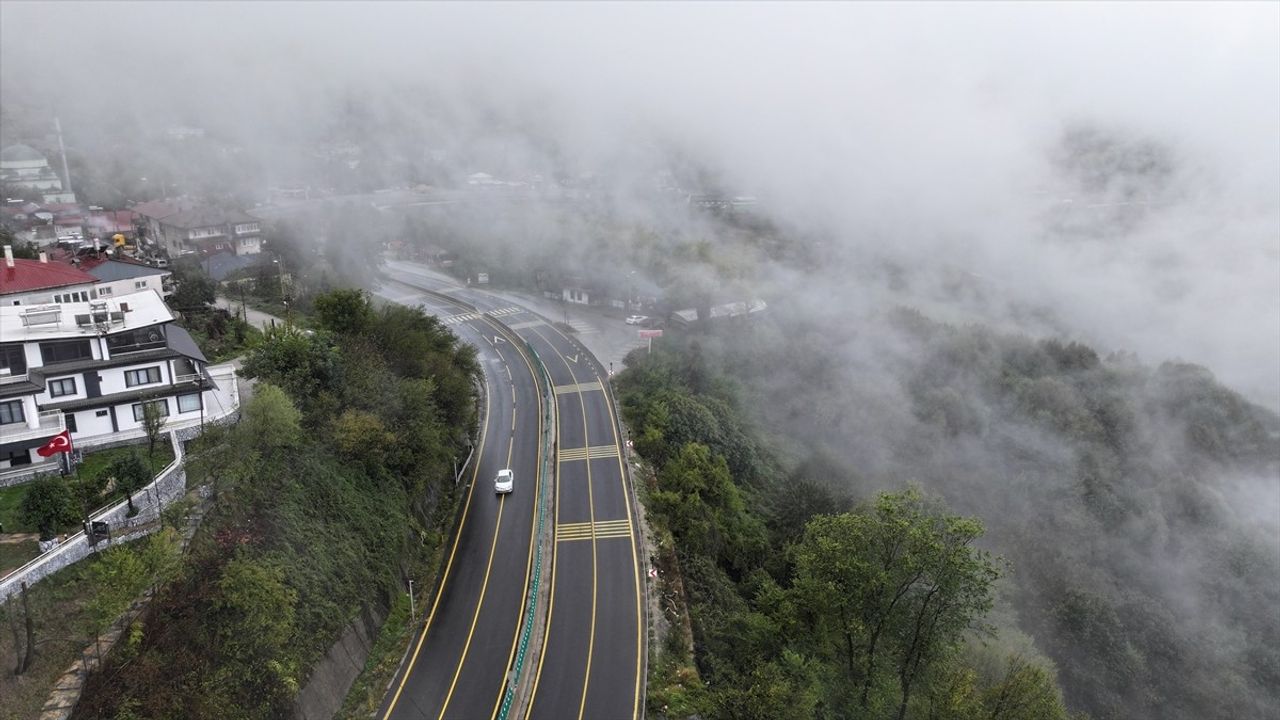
{"x":598,"y":530}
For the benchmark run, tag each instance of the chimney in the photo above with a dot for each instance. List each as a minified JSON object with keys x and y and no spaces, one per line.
{"x":8,"y":256}
{"x":44,"y":257}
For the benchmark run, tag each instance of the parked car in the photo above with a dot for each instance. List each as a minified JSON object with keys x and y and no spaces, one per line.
{"x":637,"y":319}
{"x":505,"y":482}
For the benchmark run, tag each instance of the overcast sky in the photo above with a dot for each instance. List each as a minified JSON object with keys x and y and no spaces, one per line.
{"x":922,"y":130}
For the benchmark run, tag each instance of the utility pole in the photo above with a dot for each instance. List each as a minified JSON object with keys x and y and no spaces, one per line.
{"x":63,"y":149}
{"x":413,"y":615}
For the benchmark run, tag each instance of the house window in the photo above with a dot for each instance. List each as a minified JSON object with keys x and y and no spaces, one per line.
{"x":17,"y":457}
{"x":246,"y":228}
{"x":139,"y":284}
{"x":102,"y":413}
{"x":60,"y":351}
{"x":104,"y":291}
{"x":78,"y":296}
{"x":189,"y":403}
{"x":65,"y":386}
{"x":13,"y":360}
{"x":145,"y":376}
{"x":71,"y":421}
{"x":138,"y":412}
{"x":11,"y":413}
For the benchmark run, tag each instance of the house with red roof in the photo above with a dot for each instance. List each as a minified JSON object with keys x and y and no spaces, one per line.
{"x":39,"y":282}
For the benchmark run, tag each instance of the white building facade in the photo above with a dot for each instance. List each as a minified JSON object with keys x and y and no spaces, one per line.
{"x":91,"y":368}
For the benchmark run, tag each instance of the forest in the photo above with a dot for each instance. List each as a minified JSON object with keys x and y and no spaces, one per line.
{"x":1083,"y":522}
{"x":335,"y":485}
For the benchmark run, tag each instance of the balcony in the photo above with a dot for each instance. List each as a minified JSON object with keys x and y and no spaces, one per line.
{"x":51,"y":423}
{"x":7,"y":379}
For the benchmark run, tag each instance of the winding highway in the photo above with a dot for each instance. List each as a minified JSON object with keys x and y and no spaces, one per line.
{"x":588,"y":660}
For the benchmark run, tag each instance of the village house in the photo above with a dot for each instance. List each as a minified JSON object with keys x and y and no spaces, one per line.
{"x":22,"y":167}
{"x":183,"y":226}
{"x":92,"y":367}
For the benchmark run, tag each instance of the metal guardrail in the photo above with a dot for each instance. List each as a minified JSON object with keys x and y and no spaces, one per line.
{"x":535,"y":580}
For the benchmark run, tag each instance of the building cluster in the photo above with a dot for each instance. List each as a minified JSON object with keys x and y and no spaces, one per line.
{"x":84,"y":349}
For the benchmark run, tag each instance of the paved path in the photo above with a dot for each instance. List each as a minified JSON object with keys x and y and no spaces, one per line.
{"x":256,"y":318}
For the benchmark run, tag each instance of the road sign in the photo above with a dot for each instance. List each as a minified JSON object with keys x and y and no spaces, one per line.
{"x":650,"y":334}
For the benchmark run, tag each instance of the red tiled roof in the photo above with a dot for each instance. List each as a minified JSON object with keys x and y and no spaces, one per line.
{"x":27,"y":275}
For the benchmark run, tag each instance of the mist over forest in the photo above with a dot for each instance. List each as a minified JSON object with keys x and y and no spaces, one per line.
{"x":1024,"y":257}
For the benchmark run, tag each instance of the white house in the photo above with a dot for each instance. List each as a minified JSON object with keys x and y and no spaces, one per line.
{"x":92,"y":367}
{"x":22,"y":166}
{"x":121,"y":277}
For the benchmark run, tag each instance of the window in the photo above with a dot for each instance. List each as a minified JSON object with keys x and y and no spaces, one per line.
{"x":138,"y":409}
{"x":65,"y":386}
{"x":246,"y":228}
{"x":102,"y":413}
{"x":17,"y":457}
{"x":11,"y":413}
{"x":71,"y":421}
{"x":79,"y":296}
{"x":189,"y":403}
{"x":12,"y":359}
{"x":148,"y":338}
{"x":139,"y":284}
{"x":60,"y":351}
{"x":104,"y":291}
{"x":145,"y":376}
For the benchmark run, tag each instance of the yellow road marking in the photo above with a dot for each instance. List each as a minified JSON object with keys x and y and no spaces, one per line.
{"x":575,"y":387}
{"x":533,"y":538}
{"x":475,"y":474}
{"x":594,"y":452}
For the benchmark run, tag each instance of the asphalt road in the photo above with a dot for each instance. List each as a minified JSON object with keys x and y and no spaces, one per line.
{"x":591,"y":662}
{"x":457,"y":666}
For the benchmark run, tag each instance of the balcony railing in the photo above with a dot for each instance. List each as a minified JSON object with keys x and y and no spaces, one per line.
{"x":9,"y":379}
{"x":190,"y":378}
{"x":50,"y":422}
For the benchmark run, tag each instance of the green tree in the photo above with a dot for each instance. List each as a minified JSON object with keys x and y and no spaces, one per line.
{"x":194,"y":290}
{"x":48,"y":505}
{"x":344,"y":311}
{"x":152,"y":425}
{"x":131,"y":475}
{"x":271,"y":420}
{"x":896,"y":585}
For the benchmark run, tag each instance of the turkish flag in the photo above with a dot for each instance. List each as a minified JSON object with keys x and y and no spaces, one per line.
{"x":59,"y":443}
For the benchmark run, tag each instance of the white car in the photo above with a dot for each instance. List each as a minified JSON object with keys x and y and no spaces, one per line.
{"x":505,"y":482}
{"x":636,"y":319}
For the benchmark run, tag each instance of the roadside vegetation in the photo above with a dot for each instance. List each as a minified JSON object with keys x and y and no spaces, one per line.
{"x":804,"y":604}
{"x":334,"y":489}
{"x":69,"y":610}
{"x":1137,"y":572}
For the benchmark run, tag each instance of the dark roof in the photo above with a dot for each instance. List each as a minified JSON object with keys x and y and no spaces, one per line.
{"x":112,"y":270}
{"x":20,"y":153}
{"x":207,"y":217}
{"x":221,"y":265}
{"x":27,"y":275}
{"x":180,"y":341}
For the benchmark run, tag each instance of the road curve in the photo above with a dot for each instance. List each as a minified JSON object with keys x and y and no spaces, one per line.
{"x":457,"y":664}
{"x":591,"y":663}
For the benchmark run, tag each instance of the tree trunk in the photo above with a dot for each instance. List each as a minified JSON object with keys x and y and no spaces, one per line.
{"x":12,"y":612}
{"x":31,"y":631}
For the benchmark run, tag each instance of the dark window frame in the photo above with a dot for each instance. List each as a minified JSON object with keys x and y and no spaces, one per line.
{"x":137,"y":408}
{"x":20,"y":417}
{"x":60,"y":383}
{"x":129,"y":376}
{"x":199,"y":402}
{"x":55,"y":351}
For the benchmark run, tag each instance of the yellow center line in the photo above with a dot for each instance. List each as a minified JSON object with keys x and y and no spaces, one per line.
{"x":484,"y":586}
{"x":475,"y":474}
{"x":533,"y":539}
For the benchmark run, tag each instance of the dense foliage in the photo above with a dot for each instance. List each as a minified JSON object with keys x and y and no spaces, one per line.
{"x":328,"y":490}
{"x":1135,"y":504}
{"x":799,"y":610}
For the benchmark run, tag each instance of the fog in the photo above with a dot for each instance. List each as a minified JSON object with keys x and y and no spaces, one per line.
{"x":919,"y":133}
